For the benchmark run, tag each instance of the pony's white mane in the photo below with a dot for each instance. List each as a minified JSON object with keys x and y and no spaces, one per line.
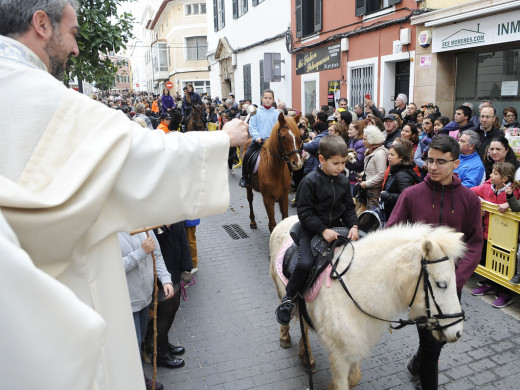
{"x":405,"y":232}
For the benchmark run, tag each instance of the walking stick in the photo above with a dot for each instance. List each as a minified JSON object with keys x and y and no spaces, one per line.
{"x":156,"y":288}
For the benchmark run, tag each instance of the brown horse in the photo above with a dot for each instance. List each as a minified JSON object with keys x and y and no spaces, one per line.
{"x":195,"y":121}
{"x":273,"y":178}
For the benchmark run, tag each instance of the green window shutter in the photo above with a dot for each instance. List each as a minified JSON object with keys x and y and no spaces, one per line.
{"x":318,"y":15}
{"x":299,"y":19}
{"x":235,"y":9}
{"x":361,"y":7}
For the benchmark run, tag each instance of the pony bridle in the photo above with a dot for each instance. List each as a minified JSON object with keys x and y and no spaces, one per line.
{"x":285,"y":156}
{"x":431,"y":322}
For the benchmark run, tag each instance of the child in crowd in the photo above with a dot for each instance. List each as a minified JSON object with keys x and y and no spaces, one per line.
{"x":493,"y":190}
{"x":260,"y":126}
{"x":324,"y":201}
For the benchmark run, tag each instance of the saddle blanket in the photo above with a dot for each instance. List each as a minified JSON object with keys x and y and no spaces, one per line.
{"x":312,"y":293}
{"x":257,"y":164}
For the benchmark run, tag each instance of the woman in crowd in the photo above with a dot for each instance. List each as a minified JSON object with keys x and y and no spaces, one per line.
{"x":167,"y":101}
{"x":500,"y":151}
{"x":401,"y":175}
{"x":409,"y":132}
{"x":355,"y":134}
{"x":510,"y":118}
{"x":374,"y":164}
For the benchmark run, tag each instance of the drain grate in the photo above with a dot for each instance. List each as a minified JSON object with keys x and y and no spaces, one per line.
{"x":235,"y":231}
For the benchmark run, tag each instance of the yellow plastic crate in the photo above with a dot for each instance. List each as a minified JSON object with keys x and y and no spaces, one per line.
{"x":501,"y":247}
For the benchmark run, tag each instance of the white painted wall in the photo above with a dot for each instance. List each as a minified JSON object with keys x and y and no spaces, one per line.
{"x":267,"y":19}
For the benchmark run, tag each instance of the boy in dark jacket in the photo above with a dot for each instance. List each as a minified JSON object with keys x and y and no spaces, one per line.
{"x":441,"y":199}
{"x":324,"y":201}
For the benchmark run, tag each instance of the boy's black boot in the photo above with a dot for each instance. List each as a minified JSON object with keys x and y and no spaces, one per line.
{"x":243,"y":182}
{"x":284,"y":311}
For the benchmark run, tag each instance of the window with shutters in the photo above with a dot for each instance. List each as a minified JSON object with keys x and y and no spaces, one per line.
{"x":364,"y":7}
{"x":308,"y":17}
{"x":263,"y":84}
{"x":218,"y":15}
{"x":247,"y":82}
{"x":196,"y":48}
{"x":239,"y":8}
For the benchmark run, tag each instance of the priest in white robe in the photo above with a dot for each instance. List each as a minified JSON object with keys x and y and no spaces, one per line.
{"x":73,"y":173}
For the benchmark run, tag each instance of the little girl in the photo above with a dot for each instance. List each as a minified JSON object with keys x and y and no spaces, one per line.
{"x":493,"y":190}
{"x":260,"y":126}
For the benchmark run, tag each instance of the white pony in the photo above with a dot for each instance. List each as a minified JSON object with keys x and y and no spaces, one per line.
{"x":382,"y":278}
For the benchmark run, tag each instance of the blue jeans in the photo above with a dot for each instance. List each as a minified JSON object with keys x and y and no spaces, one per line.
{"x":141,"y":322}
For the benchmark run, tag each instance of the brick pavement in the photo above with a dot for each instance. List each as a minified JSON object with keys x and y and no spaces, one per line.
{"x":231,"y":336}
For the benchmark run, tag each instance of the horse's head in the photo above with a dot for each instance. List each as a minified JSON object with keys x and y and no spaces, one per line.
{"x":287,"y":134}
{"x":436,"y":303}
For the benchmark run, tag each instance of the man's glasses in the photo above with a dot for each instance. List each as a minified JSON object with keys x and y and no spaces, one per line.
{"x":440,"y":162}
{"x":487,"y":116}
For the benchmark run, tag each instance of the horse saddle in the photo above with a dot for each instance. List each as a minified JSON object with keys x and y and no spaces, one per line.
{"x":322,"y":250}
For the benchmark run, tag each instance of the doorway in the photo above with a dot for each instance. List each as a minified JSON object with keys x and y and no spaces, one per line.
{"x":402,"y":78}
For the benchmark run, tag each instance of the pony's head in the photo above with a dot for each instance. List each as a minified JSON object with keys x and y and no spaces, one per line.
{"x":286,"y":136}
{"x":441,"y":248}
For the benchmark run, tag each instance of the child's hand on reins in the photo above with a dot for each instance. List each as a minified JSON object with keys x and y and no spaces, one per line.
{"x":329,"y":235}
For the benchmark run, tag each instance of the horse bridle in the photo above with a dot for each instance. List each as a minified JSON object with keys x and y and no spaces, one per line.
{"x":430,"y":322}
{"x":284,"y":156}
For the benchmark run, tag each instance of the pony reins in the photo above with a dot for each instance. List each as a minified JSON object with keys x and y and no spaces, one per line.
{"x":429,"y":321}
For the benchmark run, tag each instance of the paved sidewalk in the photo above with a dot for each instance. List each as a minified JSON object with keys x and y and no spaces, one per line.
{"x":231,"y":335}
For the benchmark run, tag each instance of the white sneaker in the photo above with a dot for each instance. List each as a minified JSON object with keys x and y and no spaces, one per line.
{"x":194,"y":270}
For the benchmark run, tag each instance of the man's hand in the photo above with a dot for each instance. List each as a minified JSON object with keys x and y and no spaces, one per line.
{"x":237,"y":131}
{"x":148,"y":245}
{"x":353,"y":233}
{"x":329,"y":235}
{"x":168,"y":290}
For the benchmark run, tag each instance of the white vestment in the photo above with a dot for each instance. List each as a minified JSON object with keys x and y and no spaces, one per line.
{"x":73,"y":173}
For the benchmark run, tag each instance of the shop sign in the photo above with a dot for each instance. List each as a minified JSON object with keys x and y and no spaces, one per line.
{"x":323,"y":58}
{"x":490,"y":30}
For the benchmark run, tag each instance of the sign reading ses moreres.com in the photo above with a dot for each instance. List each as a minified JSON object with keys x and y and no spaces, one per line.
{"x":478,"y":32}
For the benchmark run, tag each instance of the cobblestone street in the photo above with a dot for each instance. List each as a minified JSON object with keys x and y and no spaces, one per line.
{"x":231,"y":336}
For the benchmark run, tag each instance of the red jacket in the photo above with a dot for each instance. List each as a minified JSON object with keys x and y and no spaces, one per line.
{"x":486,"y":192}
{"x":451,"y":205}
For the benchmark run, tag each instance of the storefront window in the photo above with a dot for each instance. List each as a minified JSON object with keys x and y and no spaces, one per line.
{"x":492,"y":75}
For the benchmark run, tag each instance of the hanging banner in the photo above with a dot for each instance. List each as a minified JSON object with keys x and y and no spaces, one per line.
{"x":323,"y":58}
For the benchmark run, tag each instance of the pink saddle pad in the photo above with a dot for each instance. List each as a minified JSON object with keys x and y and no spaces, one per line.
{"x":312,"y":293}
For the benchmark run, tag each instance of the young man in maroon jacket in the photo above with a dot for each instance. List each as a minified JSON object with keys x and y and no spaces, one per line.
{"x":441,"y":199}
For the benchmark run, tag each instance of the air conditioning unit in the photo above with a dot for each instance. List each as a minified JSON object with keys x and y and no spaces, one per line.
{"x":405,"y":36}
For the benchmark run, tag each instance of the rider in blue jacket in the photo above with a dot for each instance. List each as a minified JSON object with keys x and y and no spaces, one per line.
{"x":260,"y":127}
